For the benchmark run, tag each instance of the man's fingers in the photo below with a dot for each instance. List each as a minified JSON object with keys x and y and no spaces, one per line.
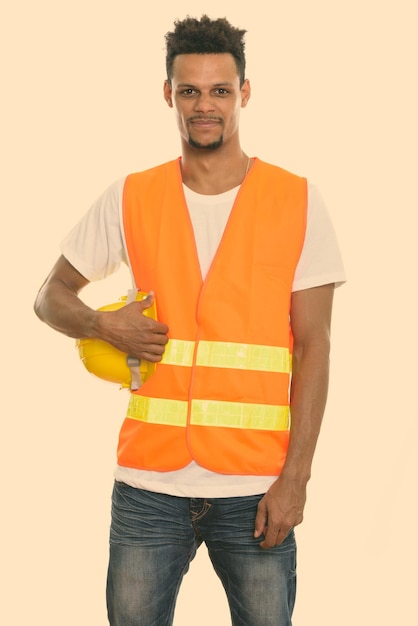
{"x":147,"y":301}
{"x":274,"y":536}
{"x":274,"y":527}
{"x":154,"y":354}
{"x":260,"y":521}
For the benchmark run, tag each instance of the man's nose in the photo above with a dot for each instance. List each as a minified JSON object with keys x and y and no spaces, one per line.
{"x":204,"y":103}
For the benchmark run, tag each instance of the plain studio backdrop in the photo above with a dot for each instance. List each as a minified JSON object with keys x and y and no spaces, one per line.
{"x":334,"y":99}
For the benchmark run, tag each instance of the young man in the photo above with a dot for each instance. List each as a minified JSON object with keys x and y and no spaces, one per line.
{"x":207,"y":452}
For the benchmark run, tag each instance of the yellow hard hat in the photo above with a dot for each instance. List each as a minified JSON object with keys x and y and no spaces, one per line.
{"x":107,"y":362}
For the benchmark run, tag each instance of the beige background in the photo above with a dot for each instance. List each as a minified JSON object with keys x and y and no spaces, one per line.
{"x":334,"y":98}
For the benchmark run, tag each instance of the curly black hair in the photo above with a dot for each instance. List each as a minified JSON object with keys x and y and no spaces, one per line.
{"x":205,"y":36}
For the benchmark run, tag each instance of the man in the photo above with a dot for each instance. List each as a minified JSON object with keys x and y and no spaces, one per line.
{"x":242,"y":261}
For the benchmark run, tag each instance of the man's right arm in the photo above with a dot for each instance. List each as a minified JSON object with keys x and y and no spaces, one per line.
{"x":59,"y":305}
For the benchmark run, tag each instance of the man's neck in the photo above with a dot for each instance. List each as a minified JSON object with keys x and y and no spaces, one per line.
{"x":214,"y":172}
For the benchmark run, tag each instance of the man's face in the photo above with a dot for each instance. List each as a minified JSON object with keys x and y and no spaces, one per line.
{"x":207,"y":98}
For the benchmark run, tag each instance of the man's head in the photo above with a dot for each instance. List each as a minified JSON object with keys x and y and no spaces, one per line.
{"x":205,"y":36}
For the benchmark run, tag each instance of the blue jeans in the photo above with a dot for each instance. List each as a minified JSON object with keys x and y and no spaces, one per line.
{"x":153,"y":539}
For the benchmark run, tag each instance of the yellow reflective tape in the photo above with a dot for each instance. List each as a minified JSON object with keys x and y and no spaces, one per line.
{"x":209,"y":413}
{"x":243,"y":356}
{"x":226,"y":354}
{"x":157,"y":410}
{"x":240,"y":415}
{"x":178,"y":352}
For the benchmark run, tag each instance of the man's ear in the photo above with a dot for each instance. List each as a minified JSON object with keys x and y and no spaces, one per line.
{"x":245,"y":93}
{"x":168,"y":93}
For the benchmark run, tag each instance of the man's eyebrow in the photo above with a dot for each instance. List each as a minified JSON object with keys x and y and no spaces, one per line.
{"x":189,"y":85}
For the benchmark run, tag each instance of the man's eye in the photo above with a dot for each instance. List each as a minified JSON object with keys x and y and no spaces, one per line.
{"x":188,"y":92}
{"x":221,"y":91}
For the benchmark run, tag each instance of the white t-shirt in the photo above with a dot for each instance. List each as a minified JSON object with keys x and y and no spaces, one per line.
{"x":320,"y":263}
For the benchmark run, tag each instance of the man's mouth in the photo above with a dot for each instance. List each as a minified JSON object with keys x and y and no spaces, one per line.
{"x":205,"y":121}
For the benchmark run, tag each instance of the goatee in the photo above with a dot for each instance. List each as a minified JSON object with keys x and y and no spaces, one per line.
{"x":206,"y":146}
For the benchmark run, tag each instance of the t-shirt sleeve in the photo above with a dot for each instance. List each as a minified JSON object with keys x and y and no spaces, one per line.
{"x":320,"y":262}
{"x":95,"y":246}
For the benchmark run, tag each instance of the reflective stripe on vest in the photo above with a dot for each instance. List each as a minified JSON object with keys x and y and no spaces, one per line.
{"x":208,"y":413}
{"x":228,"y":355}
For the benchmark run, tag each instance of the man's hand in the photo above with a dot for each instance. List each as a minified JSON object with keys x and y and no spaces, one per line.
{"x":279,"y":511}
{"x":132,"y":332}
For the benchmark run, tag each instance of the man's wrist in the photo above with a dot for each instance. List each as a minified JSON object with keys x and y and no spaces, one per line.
{"x":297,"y":475}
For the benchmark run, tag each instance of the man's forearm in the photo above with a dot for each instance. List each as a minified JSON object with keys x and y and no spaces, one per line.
{"x":126,"y":328}
{"x":61,"y":308}
{"x":308,"y":399}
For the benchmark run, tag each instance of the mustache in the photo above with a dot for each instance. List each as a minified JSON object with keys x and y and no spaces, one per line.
{"x":204,"y":118}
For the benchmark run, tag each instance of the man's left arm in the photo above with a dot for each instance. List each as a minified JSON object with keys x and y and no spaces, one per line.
{"x":282,"y":506}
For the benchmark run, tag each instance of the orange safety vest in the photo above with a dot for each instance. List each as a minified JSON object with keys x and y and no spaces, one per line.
{"x":220,"y":396}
